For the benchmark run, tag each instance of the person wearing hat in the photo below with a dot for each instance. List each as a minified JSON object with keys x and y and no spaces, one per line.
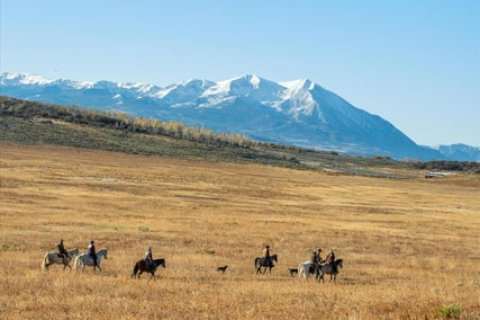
{"x":316,"y":256}
{"x":149,"y":257}
{"x":92,"y":253}
{"x":62,"y":252}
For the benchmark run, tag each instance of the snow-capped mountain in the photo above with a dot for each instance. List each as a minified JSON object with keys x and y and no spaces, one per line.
{"x":297,"y":112}
{"x":460,"y":152}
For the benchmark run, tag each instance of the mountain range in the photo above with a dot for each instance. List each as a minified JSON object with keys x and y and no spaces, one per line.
{"x":300,"y":112}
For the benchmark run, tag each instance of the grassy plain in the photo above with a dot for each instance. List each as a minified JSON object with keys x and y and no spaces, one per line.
{"x":410,"y":246}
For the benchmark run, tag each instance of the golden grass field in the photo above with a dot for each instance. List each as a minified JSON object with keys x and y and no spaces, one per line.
{"x":410,"y":246}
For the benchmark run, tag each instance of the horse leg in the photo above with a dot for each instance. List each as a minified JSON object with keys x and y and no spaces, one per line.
{"x":301,"y":272}
{"x":140,"y":273}
{"x":153,"y":276}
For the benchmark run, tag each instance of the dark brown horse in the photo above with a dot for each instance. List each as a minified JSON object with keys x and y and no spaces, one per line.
{"x":141,"y":266}
{"x":265,"y":263}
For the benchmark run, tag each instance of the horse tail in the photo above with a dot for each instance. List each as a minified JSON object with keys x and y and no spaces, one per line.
{"x":76,"y":262}
{"x":44,"y":262}
{"x":300,"y":270}
{"x":255,"y":263}
{"x":135,"y":270}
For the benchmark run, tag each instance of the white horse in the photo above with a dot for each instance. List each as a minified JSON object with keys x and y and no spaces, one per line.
{"x":306,"y":268}
{"x":55,"y":258}
{"x":85,"y":260}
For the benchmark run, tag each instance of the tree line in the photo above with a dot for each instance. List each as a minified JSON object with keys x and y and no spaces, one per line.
{"x":121,"y":121}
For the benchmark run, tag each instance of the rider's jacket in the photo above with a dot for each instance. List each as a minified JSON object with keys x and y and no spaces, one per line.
{"x":91,"y":250}
{"x":266,"y":253}
{"x":330,"y":257}
{"x":315,"y":258}
{"x":148,"y":255}
{"x":61,"y":249}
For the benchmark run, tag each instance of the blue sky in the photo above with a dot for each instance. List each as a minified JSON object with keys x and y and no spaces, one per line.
{"x":415,"y":63}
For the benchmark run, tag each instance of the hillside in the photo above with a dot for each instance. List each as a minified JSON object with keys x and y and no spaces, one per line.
{"x":300,"y":113}
{"x":35,"y":123}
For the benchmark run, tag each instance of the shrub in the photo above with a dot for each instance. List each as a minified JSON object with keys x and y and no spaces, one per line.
{"x":449,"y":311}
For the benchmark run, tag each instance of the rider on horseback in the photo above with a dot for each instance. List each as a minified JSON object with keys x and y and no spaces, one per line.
{"x":266,"y":254}
{"x":315,"y":257}
{"x":93,"y":253}
{"x":62,"y":252}
{"x":149,"y":258}
{"x":330,"y":259}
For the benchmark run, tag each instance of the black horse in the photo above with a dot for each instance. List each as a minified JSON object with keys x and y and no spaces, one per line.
{"x":265,"y":263}
{"x":142,"y":266}
{"x":331,"y":269}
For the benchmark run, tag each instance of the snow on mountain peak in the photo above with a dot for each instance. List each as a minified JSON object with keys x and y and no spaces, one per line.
{"x":26,"y":78}
{"x":251,"y":86}
{"x":300,"y":84}
{"x":184,"y":91}
{"x":299,"y":112}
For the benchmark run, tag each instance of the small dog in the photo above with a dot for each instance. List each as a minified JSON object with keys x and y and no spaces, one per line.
{"x":293,"y":272}
{"x":222,"y":269}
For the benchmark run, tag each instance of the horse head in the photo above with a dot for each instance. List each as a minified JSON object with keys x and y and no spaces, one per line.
{"x":274,"y":258}
{"x":339,"y":263}
{"x":160,"y":262}
{"x":103,"y":253}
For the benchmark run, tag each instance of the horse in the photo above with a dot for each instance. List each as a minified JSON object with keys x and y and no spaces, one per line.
{"x":85,"y":260}
{"x":142,"y":266}
{"x":305,"y":269}
{"x":329,"y":269}
{"x":262,"y":262}
{"x":55,"y":258}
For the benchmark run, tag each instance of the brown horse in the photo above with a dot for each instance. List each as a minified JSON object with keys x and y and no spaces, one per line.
{"x":263,"y":262}
{"x":141,"y":266}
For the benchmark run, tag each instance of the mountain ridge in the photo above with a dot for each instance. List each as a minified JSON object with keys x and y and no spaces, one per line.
{"x":298,"y":112}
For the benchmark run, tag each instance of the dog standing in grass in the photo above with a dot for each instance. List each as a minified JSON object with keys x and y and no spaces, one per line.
{"x":293,"y":272}
{"x":222,"y":269}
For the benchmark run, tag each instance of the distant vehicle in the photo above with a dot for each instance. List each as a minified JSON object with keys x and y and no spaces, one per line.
{"x":434,"y":174}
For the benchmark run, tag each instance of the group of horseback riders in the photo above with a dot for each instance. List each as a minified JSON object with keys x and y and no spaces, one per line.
{"x":315,"y":257}
{"x":63,"y":253}
{"x":93,"y":254}
{"x":148,"y":258}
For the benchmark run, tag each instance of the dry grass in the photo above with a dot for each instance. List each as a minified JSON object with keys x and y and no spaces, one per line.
{"x":410,"y":246}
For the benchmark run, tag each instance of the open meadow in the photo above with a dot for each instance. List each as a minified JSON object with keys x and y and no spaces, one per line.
{"x":411,"y":246}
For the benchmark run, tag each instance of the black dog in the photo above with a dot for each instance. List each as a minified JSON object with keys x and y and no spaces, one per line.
{"x":293,"y":272}
{"x":222,"y":269}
